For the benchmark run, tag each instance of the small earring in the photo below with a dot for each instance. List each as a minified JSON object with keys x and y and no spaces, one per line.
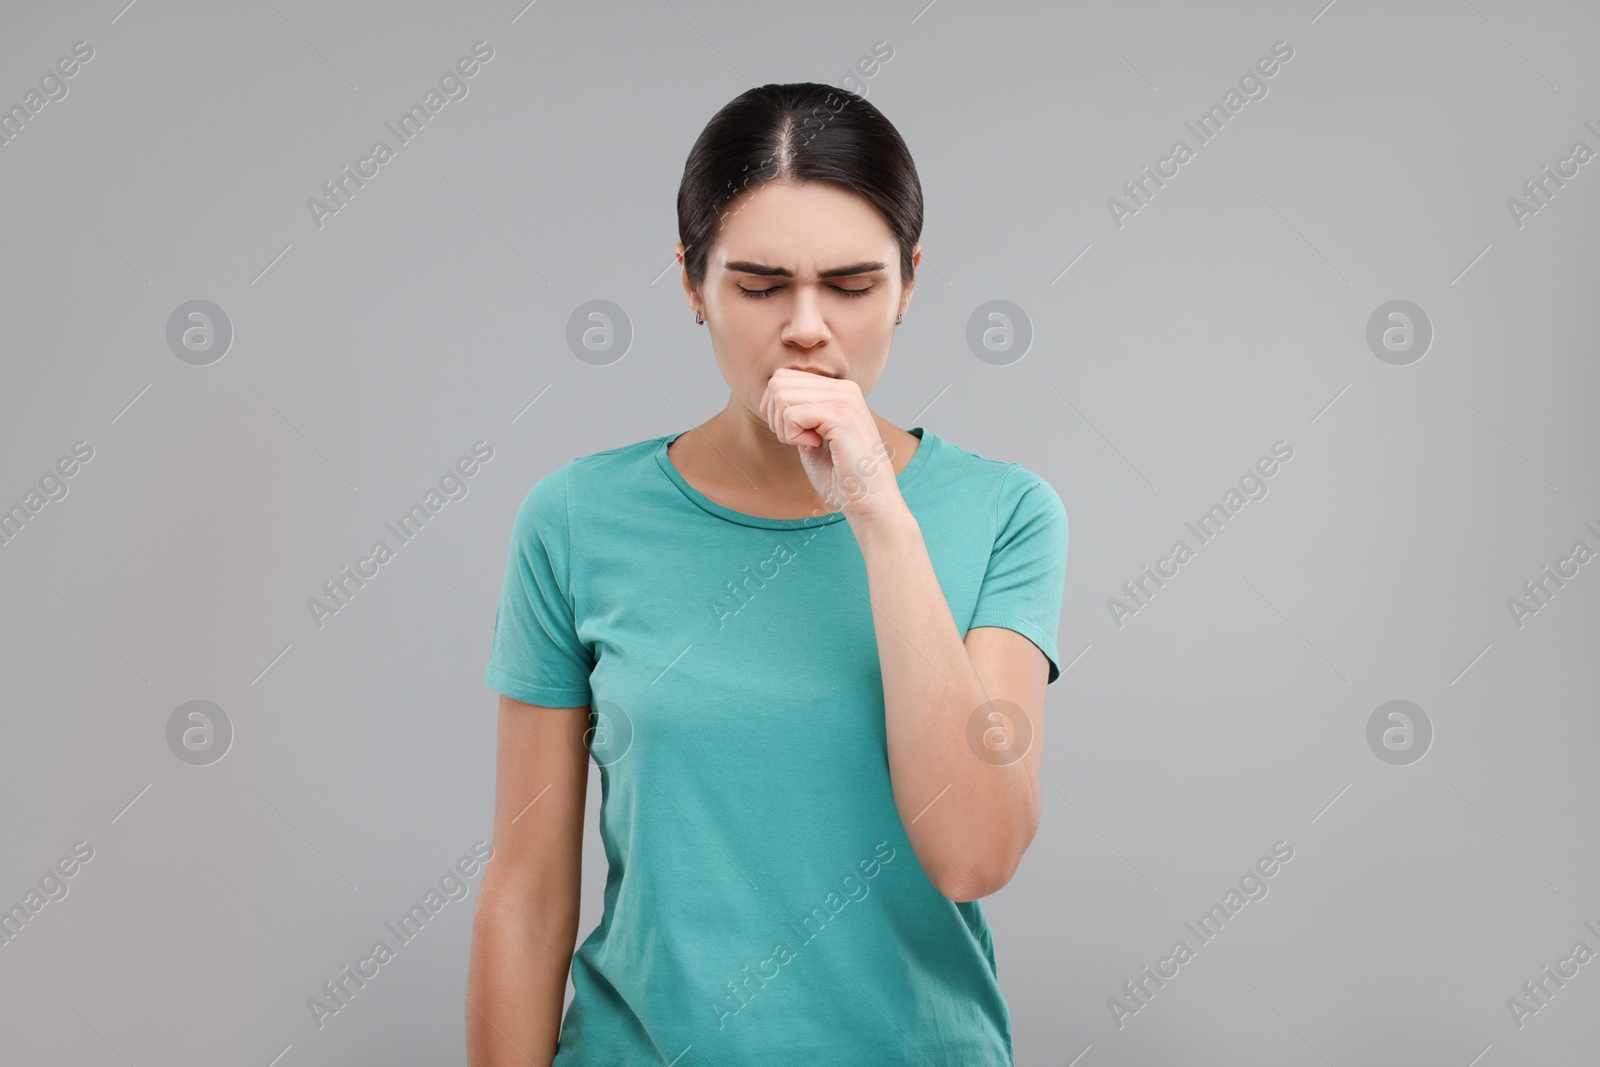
{"x":898,"y":317}
{"x":698,"y":320}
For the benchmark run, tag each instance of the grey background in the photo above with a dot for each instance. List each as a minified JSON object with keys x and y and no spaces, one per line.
{"x":1229,"y":313}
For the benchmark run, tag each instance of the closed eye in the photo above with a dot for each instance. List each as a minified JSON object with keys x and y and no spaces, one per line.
{"x":757,"y":294}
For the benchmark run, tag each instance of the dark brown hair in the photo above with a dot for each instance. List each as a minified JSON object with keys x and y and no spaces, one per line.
{"x":796,"y":132}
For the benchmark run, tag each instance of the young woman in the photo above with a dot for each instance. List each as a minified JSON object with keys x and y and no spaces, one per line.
{"x":807,"y":649}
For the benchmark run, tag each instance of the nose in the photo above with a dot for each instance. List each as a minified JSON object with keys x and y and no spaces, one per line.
{"x":806,"y":326}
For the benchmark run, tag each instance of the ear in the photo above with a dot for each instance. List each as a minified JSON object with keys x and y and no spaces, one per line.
{"x":916,"y":260}
{"x":683,"y":275}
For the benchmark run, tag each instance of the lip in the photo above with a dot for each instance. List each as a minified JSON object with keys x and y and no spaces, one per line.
{"x":812,"y":370}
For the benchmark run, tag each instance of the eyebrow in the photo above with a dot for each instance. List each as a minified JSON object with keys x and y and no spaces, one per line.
{"x":749,"y":267}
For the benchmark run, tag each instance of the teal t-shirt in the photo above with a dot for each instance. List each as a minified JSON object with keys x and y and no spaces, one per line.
{"x":763,"y":904}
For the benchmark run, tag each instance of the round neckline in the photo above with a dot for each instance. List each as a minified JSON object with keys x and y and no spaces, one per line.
{"x":706,"y":504}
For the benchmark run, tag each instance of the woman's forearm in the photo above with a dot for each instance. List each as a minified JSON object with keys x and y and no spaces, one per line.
{"x":517,"y":979}
{"x":979,"y":816}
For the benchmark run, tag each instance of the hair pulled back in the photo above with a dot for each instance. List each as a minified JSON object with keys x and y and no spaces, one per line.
{"x":796,"y":132}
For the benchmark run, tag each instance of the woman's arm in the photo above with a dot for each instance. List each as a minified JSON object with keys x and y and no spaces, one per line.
{"x":968,"y":819}
{"x":525,"y":925}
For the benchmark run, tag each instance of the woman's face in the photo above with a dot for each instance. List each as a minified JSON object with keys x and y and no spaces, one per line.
{"x":789,"y":242}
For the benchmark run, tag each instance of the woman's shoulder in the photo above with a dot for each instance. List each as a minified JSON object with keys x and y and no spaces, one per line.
{"x":620,"y":454}
{"x":617,"y":461}
{"x":605,"y":477}
{"x":968,"y":464}
{"x":1007,"y":484}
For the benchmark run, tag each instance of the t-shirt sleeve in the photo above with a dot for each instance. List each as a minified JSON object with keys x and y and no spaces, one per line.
{"x":537,"y":656}
{"x":1023,"y":586}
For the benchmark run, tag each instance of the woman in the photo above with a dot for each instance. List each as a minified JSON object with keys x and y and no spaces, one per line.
{"x":814,"y":650}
